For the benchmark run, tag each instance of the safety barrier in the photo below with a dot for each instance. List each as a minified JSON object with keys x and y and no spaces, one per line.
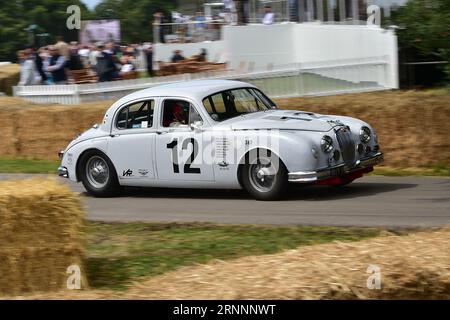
{"x":313,"y":78}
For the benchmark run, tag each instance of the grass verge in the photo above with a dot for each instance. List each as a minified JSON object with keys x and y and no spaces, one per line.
{"x":26,"y":165}
{"x":119,"y":253}
{"x":439,"y":170}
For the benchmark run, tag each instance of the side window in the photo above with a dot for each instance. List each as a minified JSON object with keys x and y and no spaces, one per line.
{"x":138,"y":115}
{"x":244,"y":101}
{"x":122,"y":119}
{"x":194,"y":115}
{"x":178,"y":113}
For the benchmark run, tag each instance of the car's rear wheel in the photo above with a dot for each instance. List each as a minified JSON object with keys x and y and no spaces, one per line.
{"x":98,"y":175}
{"x":265,"y":177}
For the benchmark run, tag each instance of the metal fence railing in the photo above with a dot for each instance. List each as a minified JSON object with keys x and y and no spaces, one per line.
{"x":314,"y":78}
{"x":343,"y":12}
{"x":186,"y":32}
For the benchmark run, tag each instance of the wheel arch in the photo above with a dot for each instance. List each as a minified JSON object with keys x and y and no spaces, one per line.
{"x":78,"y":163}
{"x":241,"y":163}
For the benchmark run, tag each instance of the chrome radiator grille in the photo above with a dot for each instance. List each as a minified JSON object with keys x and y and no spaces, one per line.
{"x":347,"y":145}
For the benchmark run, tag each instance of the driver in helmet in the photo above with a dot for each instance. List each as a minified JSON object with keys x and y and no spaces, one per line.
{"x":179,"y":116}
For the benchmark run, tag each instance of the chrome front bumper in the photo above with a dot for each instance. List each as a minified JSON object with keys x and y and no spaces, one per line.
{"x":63,"y":172}
{"x":336,"y":171}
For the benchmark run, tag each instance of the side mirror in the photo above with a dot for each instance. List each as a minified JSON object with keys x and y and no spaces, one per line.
{"x":196,"y":126}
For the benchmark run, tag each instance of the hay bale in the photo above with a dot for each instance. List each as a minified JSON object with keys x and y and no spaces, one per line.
{"x":416,"y":266}
{"x":9,"y":77}
{"x":40,"y":131}
{"x":412,"y":267}
{"x":40,"y":235}
{"x":57,"y":126}
{"x":409,"y":123}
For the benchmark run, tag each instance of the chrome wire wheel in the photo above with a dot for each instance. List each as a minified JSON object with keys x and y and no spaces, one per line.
{"x":263,"y":175}
{"x":97,"y":172}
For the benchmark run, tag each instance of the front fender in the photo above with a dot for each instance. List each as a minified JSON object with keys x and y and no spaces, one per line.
{"x":296,"y":150}
{"x":293,"y":148}
{"x":73,"y":153}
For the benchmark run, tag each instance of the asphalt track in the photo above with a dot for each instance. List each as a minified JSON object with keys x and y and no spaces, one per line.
{"x":370,"y":201}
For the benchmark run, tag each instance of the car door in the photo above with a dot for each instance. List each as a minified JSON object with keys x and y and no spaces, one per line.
{"x":180,"y":148}
{"x":132,"y":143}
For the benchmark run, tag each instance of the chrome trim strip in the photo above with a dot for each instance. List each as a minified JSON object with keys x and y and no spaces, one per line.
{"x":339,"y":170}
{"x":63,"y":172}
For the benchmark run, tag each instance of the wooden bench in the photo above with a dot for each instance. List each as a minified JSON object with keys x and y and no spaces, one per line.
{"x":188,"y":66}
{"x":128,"y":76}
{"x":85,"y":75}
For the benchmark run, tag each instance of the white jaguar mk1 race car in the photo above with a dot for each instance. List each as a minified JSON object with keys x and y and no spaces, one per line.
{"x":217,"y":134}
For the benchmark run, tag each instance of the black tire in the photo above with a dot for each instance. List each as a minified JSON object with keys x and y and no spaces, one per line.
{"x":275,"y":189}
{"x":110,"y":187}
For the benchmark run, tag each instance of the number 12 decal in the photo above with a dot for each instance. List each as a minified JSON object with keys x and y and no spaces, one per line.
{"x":187,"y":165}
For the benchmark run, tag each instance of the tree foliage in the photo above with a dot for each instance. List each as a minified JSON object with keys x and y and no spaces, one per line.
{"x":136,"y":16}
{"x":425,"y":26}
{"x":50,"y":17}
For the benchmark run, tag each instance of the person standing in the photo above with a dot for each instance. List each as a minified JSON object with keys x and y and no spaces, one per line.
{"x":106,"y":68}
{"x":84,"y":53}
{"x":93,"y":56}
{"x":230,"y":12}
{"x":148,"y":50}
{"x":241,"y":11}
{"x":158,"y":24}
{"x":110,"y":48}
{"x":62,"y":47}
{"x":269,"y":16}
{"x":28,"y":71}
{"x":38,"y":61}
{"x":74,"y":62}
{"x":56,"y":66}
{"x":45,"y":57}
{"x":199,"y":26}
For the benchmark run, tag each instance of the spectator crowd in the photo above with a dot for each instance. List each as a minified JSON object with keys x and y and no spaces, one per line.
{"x":56,"y":64}
{"x":63,"y":63}
{"x":179,"y":28}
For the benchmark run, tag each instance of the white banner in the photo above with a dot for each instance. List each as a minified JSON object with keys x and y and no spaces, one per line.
{"x":99,"y":30}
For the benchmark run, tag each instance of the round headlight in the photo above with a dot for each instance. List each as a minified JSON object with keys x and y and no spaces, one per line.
{"x":326,"y":144}
{"x":364,"y":134}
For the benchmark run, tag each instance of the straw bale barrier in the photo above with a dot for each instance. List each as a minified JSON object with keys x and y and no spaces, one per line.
{"x":416,"y":266}
{"x":40,"y":131}
{"x":40,"y":235}
{"x":411,"y":125}
{"x":413,"y":266}
{"x":9,"y":77}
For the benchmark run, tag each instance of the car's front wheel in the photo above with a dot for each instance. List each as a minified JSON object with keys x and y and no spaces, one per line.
{"x":266,"y":177}
{"x":98,"y":175}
